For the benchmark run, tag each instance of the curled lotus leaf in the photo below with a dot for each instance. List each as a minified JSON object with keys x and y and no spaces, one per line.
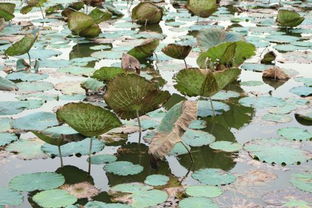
{"x":22,"y":46}
{"x":100,"y":15}
{"x":88,"y":119}
{"x":147,"y":13}
{"x":128,"y":94}
{"x":202,"y":8}
{"x":177,"y":51}
{"x":83,"y":25}
{"x":7,"y":10}
{"x":54,"y":198}
{"x":287,"y":18}
{"x":145,"y":49}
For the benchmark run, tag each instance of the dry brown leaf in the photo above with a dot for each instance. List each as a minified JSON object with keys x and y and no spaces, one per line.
{"x":130,"y":63}
{"x":162,"y":143}
{"x":275,"y":73}
{"x":81,"y":190}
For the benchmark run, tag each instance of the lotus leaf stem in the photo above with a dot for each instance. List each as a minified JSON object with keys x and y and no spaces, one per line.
{"x":185,"y":63}
{"x":29,"y":58}
{"x":190,"y":154}
{"x":90,"y":152}
{"x":60,"y":154}
{"x":41,"y":10}
{"x":140,"y":128}
{"x":212,"y":108}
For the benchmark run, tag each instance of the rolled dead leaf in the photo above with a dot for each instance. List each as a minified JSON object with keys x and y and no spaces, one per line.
{"x":130,"y":63}
{"x":275,"y":73}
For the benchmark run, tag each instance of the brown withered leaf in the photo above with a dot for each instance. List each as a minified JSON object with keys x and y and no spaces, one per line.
{"x":130,"y":63}
{"x":275,"y":73}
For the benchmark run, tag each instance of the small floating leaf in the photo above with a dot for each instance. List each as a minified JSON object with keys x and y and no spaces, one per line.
{"x":156,"y":180}
{"x":54,"y":198}
{"x":203,"y":191}
{"x":197,"y":138}
{"x":123,"y":168}
{"x":213,"y":176}
{"x":295,"y":133}
{"x":7,"y":85}
{"x":7,"y":138}
{"x":226,"y":146}
{"x":35,"y":121}
{"x":302,"y":181}
{"x":9,"y":197}
{"x":102,"y":159}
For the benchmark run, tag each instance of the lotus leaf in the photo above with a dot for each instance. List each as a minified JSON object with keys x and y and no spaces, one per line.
{"x":130,"y":188}
{"x":205,"y":109}
{"x":145,"y":49}
{"x":295,"y":133}
{"x":100,"y":15}
{"x":302,"y":181}
{"x":10,"y":197}
{"x":98,"y":204}
{"x":34,"y":86}
{"x":54,"y":198}
{"x":180,"y":149}
{"x":276,"y":151}
{"x":302,"y":91}
{"x":35,"y":121}
{"x":147,"y":13}
{"x":26,"y":76}
{"x":123,"y":168}
{"x":279,"y":118}
{"x":225,"y":95}
{"x":197,"y":202}
{"x":5,"y":124}
{"x":262,"y":102}
{"x":197,"y":138}
{"x":213,"y":176}
{"x":107,"y":73}
{"x":226,"y":146}
{"x":287,"y":18}
{"x":36,"y":181}
{"x":83,"y":25}
{"x":203,"y":191}
{"x":92,"y":84}
{"x":103,"y":159}
{"x":198,"y":124}
{"x":156,"y":180}
{"x":268,"y":58}
{"x":177,"y":51}
{"x":255,"y":67}
{"x":22,"y":46}
{"x":202,"y":8}
{"x":7,"y":11}
{"x":7,"y":138}
{"x":88,"y":119}
{"x":7,"y":85}
{"x":129,"y":94}
{"x":14,"y":107}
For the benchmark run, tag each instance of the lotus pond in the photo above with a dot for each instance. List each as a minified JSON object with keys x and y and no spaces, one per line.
{"x":160,"y":103}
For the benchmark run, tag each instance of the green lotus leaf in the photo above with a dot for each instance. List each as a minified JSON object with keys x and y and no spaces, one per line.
{"x":177,"y":51}
{"x":148,"y":198}
{"x":209,"y":38}
{"x":226,"y":146}
{"x":83,"y":25}
{"x":98,"y":204}
{"x":262,"y":101}
{"x":14,"y":107}
{"x":145,"y":49}
{"x":225,"y":95}
{"x":6,"y":11}
{"x":295,"y":133}
{"x":302,"y":181}
{"x":9,"y":197}
{"x":92,"y":84}
{"x":147,"y":13}
{"x":197,"y":138}
{"x":287,"y":18}
{"x":268,"y":58}
{"x":36,"y":181}
{"x":130,"y":188}
{"x":213,"y":176}
{"x":54,"y":198}
{"x":123,"y":168}
{"x":7,"y":138}
{"x":54,"y":9}
{"x":197,"y":202}
{"x":203,"y":191}
{"x":34,"y":86}
{"x":205,"y":109}
{"x":26,"y":9}
{"x":35,"y":121}
{"x":202,"y":8}
{"x":103,"y":159}
{"x":198,"y":124}
{"x":22,"y":46}
{"x":128,"y":94}
{"x":276,"y":151}
{"x":100,"y":15}
{"x":107,"y":73}
{"x":88,"y":119}
{"x":74,"y":6}
{"x":5,"y":124}
{"x":156,"y":180}
{"x":91,"y":32}
{"x":195,"y":82}
{"x":52,"y":139}
{"x":278,"y":118}
{"x":26,"y":76}
{"x":228,"y":54}
{"x":7,"y":85}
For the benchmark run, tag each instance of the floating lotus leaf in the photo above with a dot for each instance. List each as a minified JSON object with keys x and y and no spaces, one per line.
{"x":36,"y":181}
{"x":31,"y":4}
{"x":197,"y":138}
{"x":128,"y":94}
{"x":7,"y":11}
{"x":83,"y":25}
{"x":92,"y":84}
{"x":26,"y":76}
{"x":204,"y":108}
{"x":287,"y":198}
{"x":107,"y":73}
{"x":198,"y":124}
{"x":87,"y":119}
{"x":226,"y":146}
{"x":251,"y":83}
{"x":103,"y":159}
{"x":74,"y":148}
{"x":262,"y":101}
{"x":123,"y":168}
{"x":100,"y":15}
{"x":147,"y":13}
{"x":276,"y":151}
{"x":54,"y":198}
{"x":172,"y":127}
{"x":34,"y":86}
{"x":295,"y":133}
{"x":5,"y":124}
{"x":231,"y":54}
{"x":177,"y":51}
{"x":203,"y":191}
{"x":98,"y":204}
{"x":202,"y":8}
{"x":156,"y":180}
{"x":130,"y":188}
{"x":302,"y":91}
{"x":54,"y":9}
{"x":199,"y":82}
{"x":279,"y":118}
{"x":145,"y":49}
{"x":22,"y":46}
{"x":9,"y":197}
{"x":197,"y":202}
{"x":225,"y":95}
{"x":211,"y":37}
{"x":213,"y":176}
{"x":179,"y":149}
{"x":302,"y":181}
{"x":7,"y":138}
{"x":35,"y":121}
{"x":255,"y":67}
{"x":287,"y":18}
{"x":27,"y":149}
{"x":14,"y":107}
{"x":7,"y":85}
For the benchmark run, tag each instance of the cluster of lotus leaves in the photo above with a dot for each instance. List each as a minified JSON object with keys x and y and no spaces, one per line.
{"x":128,"y":94}
{"x":287,"y":18}
{"x":83,"y":25}
{"x":147,"y":13}
{"x":202,"y":8}
{"x":6,"y":11}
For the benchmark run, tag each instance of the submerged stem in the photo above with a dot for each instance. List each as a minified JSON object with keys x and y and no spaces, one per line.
{"x":60,"y":154}
{"x":190,"y":154}
{"x":185,"y":63}
{"x":212,"y":108}
{"x":90,"y":152}
{"x":140,"y":128}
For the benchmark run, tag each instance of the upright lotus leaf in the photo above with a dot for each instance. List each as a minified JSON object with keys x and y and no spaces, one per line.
{"x":172,"y":127}
{"x":177,"y":51}
{"x":268,"y":58}
{"x":7,"y":85}
{"x":22,"y":46}
{"x":287,"y":18}
{"x":88,"y":119}
{"x":144,"y":50}
{"x":202,"y":8}
{"x":129,"y":94}
{"x":6,"y":11}
{"x":198,"y":82}
{"x":147,"y":13}
{"x":54,"y":8}
{"x":73,"y":7}
{"x":211,"y":37}
{"x":107,"y":73}
{"x":54,"y":198}
{"x":229,"y":54}
{"x":83,"y":25}
{"x":31,"y":4}
{"x":91,"y":32}
{"x":100,"y":15}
